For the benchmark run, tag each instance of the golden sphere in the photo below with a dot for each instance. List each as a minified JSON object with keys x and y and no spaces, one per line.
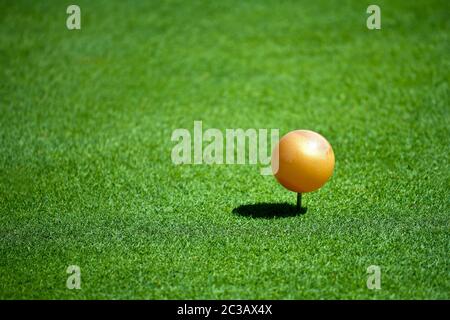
{"x":302,"y":161}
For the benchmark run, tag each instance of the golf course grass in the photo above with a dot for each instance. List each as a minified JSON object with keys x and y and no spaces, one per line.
{"x":86,"y":176}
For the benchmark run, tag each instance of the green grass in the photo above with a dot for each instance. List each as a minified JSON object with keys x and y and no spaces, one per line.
{"x":86,"y":176}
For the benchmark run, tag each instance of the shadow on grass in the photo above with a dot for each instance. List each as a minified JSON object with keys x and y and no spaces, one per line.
{"x":268,"y":210}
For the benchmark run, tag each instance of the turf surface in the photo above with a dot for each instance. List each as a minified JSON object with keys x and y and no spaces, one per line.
{"x":86,"y":176}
